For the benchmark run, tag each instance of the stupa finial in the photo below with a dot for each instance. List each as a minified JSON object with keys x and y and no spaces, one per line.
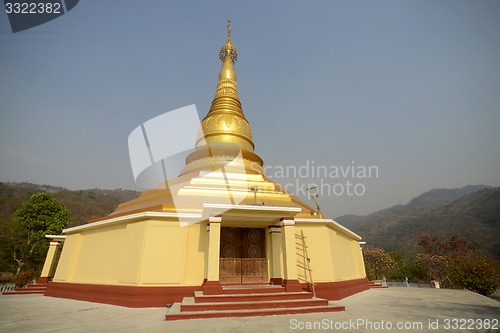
{"x":228,"y":50}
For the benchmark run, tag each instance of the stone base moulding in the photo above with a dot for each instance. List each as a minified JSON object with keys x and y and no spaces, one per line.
{"x":43,"y":280}
{"x":211,"y":287}
{"x":144,"y":297}
{"x":335,"y":291}
{"x":292,"y":285}
{"x":276,"y":281}
{"x":129,"y":296}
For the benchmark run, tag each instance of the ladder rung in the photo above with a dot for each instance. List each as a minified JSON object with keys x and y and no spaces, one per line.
{"x":308,"y":269}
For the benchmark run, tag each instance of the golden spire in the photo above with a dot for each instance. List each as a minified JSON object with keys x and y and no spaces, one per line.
{"x":228,"y":50}
{"x":225,"y":122}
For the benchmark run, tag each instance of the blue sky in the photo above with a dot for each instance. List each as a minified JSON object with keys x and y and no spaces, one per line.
{"x":411,"y":87}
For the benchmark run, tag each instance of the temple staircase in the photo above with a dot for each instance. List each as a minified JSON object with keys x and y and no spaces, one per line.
{"x":36,"y":288}
{"x":377,"y":285}
{"x":246,"y":300}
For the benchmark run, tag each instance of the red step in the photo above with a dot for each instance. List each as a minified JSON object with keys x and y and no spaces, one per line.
{"x":251,"y":289}
{"x":377,"y":286}
{"x":188,"y":304}
{"x":31,"y":289}
{"x":23,"y":292}
{"x":175,"y":313}
{"x":255,"y":297}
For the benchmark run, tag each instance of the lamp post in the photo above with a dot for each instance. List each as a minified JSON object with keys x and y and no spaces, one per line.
{"x":254,"y":189}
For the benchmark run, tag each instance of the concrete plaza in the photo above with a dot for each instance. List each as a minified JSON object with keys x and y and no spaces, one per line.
{"x":377,"y":310}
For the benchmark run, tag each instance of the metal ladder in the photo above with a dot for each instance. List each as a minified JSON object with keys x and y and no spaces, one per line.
{"x":303,"y":261}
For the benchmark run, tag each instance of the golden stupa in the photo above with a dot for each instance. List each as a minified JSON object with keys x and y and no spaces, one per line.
{"x":222,"y":220}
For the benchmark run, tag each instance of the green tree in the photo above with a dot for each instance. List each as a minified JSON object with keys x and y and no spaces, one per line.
{"x":41,"y":215}
{"x":412,"y":268}
{"x":416,"y":270}
{"x":399,"y":272}
{"x":377,"y":262}
{"x":435,"y":267}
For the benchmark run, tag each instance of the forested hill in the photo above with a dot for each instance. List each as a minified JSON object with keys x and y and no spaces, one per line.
{"x":83,"y":205}
{"x":471,"y":213}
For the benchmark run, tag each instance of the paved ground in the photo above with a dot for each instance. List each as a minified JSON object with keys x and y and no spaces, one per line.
{"x":371,"y":311}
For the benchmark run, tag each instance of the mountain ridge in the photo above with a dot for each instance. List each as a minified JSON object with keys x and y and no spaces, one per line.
{"x":444,"y":196}
{"x":471,"y":213}
{"x":83,"y":205}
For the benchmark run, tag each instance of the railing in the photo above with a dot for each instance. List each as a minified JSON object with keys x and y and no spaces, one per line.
{"x":7,"y":287}
{"x":409,"y":284}
{"x":303,"y":261}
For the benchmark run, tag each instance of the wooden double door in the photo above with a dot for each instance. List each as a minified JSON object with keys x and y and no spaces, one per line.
{"x":243,"y":255}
